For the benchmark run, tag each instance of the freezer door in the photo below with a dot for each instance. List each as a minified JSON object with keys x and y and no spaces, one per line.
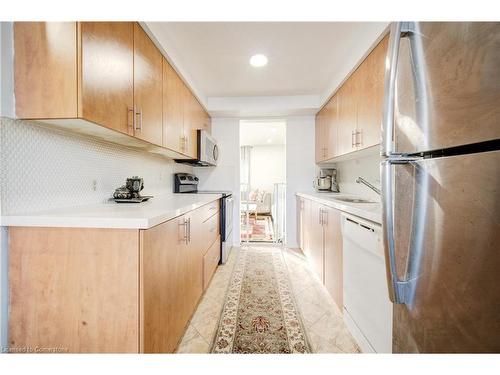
{"x":447,"y":244}
{"x":445,"y":90}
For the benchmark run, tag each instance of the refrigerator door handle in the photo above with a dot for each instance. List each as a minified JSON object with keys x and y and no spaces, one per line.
{"x":398,"y":29}
{"x":399,"y":290}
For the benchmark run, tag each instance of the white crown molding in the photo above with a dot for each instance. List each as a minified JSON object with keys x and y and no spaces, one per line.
{"x":263,"y":106}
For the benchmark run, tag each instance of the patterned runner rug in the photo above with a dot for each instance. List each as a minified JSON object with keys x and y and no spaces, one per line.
{"x":259,"y":313}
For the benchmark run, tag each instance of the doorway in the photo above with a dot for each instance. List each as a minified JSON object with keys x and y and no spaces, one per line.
{"x":262,"y":180}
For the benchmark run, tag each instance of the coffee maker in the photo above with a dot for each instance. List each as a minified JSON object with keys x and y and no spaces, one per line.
{"x":326,"y":181}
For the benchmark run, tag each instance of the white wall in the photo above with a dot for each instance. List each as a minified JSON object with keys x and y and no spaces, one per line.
{"x":300,"y":168}
{"x":226,"y":176}
{"x":267,"y":166}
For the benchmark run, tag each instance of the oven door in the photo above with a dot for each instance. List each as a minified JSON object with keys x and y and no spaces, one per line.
{"x":228,"y":216}
{"x":208,"y":152}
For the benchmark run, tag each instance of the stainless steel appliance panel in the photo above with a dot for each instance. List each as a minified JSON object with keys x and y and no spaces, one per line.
{"x":447,"y":211}
{"x":446,"y":86}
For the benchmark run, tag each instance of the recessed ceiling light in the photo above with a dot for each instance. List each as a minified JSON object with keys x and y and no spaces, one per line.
{"x":258,"y":60}
{"x":274,"y":130}
{"x":269,"y":140}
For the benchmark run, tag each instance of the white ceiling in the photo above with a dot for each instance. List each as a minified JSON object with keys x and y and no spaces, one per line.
{"x":307,"y":60}
{"x":303,"y":56}
{"x":262,"y":133}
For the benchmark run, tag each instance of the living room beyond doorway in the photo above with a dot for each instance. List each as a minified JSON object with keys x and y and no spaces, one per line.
{"x":262,"y":180}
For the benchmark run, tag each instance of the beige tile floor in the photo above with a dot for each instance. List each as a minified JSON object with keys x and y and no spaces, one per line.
{"x":322,"y":319}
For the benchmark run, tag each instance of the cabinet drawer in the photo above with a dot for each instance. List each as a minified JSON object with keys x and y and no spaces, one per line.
{"x":210,"y":262}
{"x":210,"y":230}
{"x":208,"y":210}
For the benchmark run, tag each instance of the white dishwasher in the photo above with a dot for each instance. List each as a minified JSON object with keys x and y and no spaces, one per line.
{"x":367,"y":308}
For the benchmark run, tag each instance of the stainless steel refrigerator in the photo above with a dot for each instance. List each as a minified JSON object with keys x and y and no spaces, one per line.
{"x":441,"y":180}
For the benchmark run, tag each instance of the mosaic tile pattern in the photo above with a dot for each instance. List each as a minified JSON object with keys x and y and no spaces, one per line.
{"x":43,"y":168}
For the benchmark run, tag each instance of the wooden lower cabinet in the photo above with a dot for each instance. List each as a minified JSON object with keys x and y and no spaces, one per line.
{"x":85,"y":290}
{"x":321,"y":242}
{"x":74,"y":290}
{"x":315,"y":251}
{"x":165,"y":286}
{"x":333,"y":254}
{"x":210,"y":262}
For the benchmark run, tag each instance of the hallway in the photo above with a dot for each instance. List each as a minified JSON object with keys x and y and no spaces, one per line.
{"x":277,"y":304}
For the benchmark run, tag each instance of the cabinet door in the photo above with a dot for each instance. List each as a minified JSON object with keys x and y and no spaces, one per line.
{"x":173,"y":110}
{"x":306,"y":227}
{"x":370,"y":95}
{"x":300,"y":222}
{"x":190,"y":123}
{"x":315,"y":251}
{"x":331,"y":128}
{"x":207,"y":122}
{"x":147,"y":88}
{"x":164,"y":286}
{"x":346,"y":116}
{"x":197,"y":246}
{"x":45,"y":69}
{"x":107,"y":74}
{"x":74,"y":288}
{"x":333,"y":254}
{"x":320,"y":148}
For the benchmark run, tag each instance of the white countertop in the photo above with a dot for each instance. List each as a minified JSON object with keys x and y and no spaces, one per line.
{"x":114,"y":215}
{"x":368,"y":211}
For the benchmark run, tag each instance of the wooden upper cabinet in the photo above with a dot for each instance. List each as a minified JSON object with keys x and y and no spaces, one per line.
{"x":191,"y":123}
{"x":371,"y":93}
{"x":173,"y":109}
{"x":353,"y":115}
{"x":346,"y":130}
{"x":107,"y":74}
{"x":331,"y":128}
{"x":207,"y":122}
{"x":320,"y":133}
{"x":45,"y":69}
{"x":148,"y":67}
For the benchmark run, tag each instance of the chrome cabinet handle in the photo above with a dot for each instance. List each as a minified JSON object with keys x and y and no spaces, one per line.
{"x":131,"y":124}
{"x":360,"y":142}
{"x":185,"y":225}
{"x":138,"y":113}
{"x":189,"y":230}
{"x":320,"y":219}
{"x":353,"y":136}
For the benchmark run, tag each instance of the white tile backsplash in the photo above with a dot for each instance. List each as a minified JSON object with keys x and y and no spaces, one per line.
{"x":367,"y":167}
{"x":43,"y":168}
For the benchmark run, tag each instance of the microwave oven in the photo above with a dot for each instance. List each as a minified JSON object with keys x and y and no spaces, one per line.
{"x":208,"y":152}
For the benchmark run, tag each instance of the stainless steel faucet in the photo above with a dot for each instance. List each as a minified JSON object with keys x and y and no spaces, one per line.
{"x":361,"y":180}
